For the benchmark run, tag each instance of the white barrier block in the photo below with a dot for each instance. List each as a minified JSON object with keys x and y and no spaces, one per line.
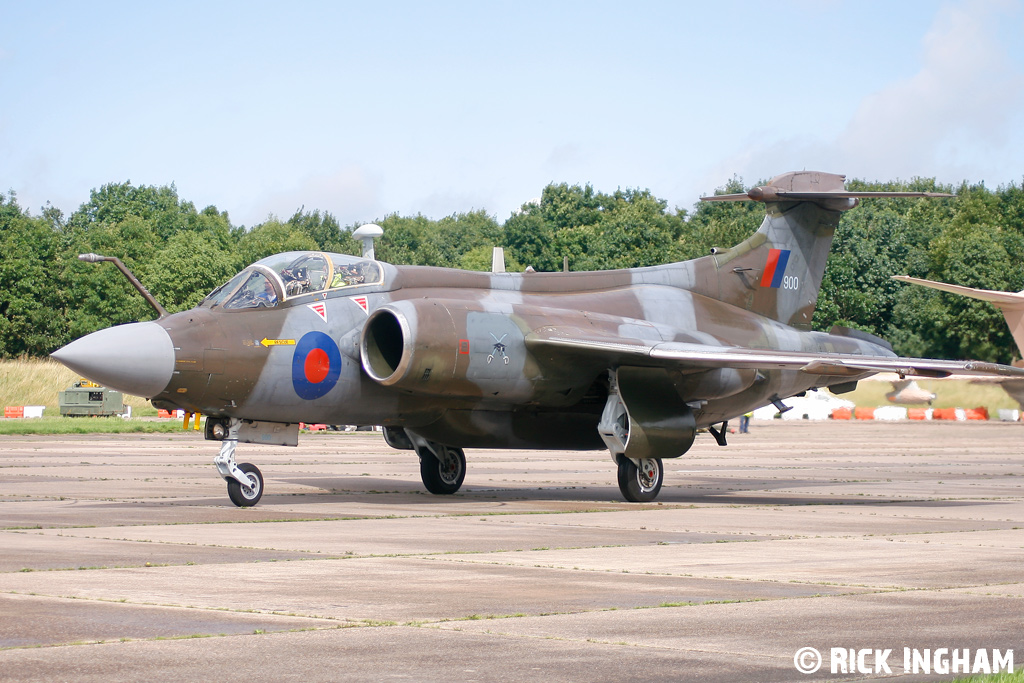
{"x":891,"y":413}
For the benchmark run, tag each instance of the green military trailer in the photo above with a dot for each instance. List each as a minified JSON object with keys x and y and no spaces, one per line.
{"x":86,"y":398}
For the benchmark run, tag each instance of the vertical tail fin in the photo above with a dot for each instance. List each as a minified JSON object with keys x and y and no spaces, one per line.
{"x":777,"y":271}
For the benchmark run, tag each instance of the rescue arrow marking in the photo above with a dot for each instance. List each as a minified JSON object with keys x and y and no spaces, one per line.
{"x":277,"y":342}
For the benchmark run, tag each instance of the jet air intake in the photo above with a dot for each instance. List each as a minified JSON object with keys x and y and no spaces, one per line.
{"x":413,"y":345}
{"x":383,"y":345}
{"x":455,"y":348}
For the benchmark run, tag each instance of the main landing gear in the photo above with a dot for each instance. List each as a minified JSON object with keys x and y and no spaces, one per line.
{"x":245,"y":481}
{"x":442,"y":471}
{"x":442,"y":468}
{"x":640,"y":480}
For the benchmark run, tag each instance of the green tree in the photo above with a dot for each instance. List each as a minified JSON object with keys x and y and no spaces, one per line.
{"x":529,"y":239}
{"x":720,"y":224}
{"x":406,"y":241}
{"x":268,"y":239}
{"x":596,"y":231}
{"x":956,"y":326}
{"x":185,"y":269}
{"x":637,"y":230}
{"x":418,"y":240}
{"x":158,"y":207}
{"x":480,"y":258}
{"x":323,"y":228}
{"x":29,"y":319}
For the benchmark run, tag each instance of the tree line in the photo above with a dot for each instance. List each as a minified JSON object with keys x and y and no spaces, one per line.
{"x":48,"y":297}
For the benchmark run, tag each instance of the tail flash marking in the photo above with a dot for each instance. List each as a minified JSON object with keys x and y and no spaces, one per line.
{"x":775,"y":268}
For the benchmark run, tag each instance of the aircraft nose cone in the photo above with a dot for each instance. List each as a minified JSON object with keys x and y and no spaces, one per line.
{"x":137,"y":358}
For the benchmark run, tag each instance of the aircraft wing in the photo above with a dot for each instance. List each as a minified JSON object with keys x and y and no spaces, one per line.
{"x":565,"y":343}
{"x":1001,"y":299}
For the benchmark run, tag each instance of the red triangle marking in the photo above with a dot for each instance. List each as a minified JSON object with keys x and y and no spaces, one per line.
{"x":320,"y":309}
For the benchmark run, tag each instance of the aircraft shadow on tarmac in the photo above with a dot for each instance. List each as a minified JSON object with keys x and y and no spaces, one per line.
{"x":731,"y":491}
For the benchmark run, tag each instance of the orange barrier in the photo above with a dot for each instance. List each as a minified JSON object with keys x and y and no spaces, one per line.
{"x":14,"y":411}
{"x":868,"y":413}
{"x":977,"y":413}
{"x":164,"y":413}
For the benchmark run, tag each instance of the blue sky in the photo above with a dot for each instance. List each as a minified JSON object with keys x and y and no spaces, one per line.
{"x":365,"y":109}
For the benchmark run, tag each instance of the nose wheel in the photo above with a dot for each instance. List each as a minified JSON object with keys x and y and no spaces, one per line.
{"x":246,"y":496}
{"x":245,"y":481}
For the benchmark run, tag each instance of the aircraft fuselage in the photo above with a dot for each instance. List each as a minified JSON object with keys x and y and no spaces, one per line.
{"x":473,"y":379}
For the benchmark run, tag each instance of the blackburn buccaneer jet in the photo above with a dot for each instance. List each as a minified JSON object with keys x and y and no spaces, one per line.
{"x":634,"y":361}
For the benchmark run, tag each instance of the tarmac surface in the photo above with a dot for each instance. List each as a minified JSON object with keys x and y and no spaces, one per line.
{"x":122,"y":559}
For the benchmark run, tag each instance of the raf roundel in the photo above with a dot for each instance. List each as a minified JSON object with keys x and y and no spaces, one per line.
{"x":316,"y":365}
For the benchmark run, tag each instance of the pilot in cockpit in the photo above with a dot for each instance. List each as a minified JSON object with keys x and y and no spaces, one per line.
{"x":348,"y":276}
{"x":268,"y":297}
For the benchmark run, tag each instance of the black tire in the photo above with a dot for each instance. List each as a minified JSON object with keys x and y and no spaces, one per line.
{"x":443,"y":477}
{"x":246,"y":496}
{"x":640,"y":485}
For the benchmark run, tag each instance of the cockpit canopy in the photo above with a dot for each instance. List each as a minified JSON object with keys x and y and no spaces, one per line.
{"x":292,"y":274}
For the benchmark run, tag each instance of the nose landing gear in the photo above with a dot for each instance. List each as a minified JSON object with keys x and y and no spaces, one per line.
{"x":245,"y":481}
{"x":244,"y":495}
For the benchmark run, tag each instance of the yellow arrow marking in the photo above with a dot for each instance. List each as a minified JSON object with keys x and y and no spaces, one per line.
{"x":277,"y":342}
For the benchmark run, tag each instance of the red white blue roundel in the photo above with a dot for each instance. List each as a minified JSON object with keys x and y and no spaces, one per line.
{"x":316,"y":365}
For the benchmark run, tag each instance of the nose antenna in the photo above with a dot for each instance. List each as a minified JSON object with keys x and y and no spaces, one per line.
{"x":150,"y":299}
{"x":367,"y":233}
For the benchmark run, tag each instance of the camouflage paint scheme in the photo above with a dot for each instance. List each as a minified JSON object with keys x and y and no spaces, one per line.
{"x":630,"y":360}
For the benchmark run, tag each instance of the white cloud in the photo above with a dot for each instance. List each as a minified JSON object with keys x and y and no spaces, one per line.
{"x":966,"y":89}
{"x":963,"y":104}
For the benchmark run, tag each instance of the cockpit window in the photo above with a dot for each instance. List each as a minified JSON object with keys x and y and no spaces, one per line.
{"x":359,"y":273}
{"x":293,"y":274}
{"x":301,"y":273}
{"x":257,"y":292}
{"x":219,"y":295}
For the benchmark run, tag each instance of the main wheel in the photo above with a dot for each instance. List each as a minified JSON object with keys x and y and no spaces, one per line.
{"x":444,"y":475}
{"x":640,"y":484}
{"x":246,"y":496}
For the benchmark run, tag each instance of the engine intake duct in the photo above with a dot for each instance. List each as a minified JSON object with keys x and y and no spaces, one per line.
{"x":383,"y":345}
{"x":414,"y":345}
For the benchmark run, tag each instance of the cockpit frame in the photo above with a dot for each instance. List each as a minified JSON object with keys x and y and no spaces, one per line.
{"x":292,"y":275}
